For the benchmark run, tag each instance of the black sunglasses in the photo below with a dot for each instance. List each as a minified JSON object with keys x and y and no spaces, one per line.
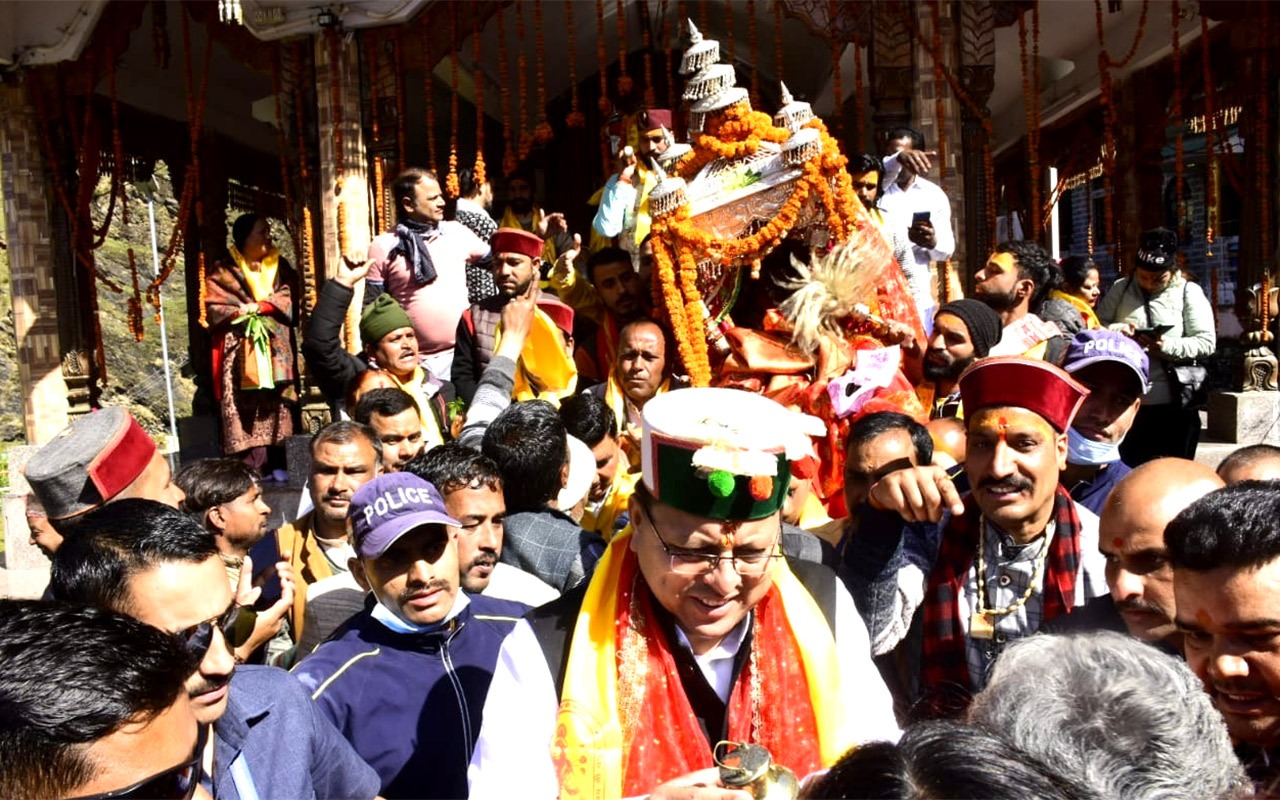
{"x":175,"y":783}
{"x":236,"y":624}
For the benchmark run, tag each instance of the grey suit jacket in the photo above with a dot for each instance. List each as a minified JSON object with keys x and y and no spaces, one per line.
{"x":550,"y":545}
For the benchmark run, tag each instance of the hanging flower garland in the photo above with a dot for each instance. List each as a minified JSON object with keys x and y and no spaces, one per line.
{"x":134,"y":305}
{"x":451,"y":188}
{"x":754,"y":44}
{"x":401,"y":139}
{"x":522,"y":78}
{"x":679,"y":242}
{"x":625,"y":83}
{"x":428,"y":94}
{"x":1262,"y":124}
{"x":779,"y":61}
{"x":1106,"y":85}
{"x":1211,"y":148}
{"x":669,"y":53}
{"x":282,"y":144}
{"x":335,"y":106}
{"x":479,"y":177}
{"x":602,"y":54}
{"x":650,"y":97}
{"x":860,"y":97}
{"x":575,"y":118}
{"x":191,"y":182}
{"x":543,"y":133}
{"x":939,"y":107}
{"x":371,"y":56}
{"x":1029,"y":92}
{"x":509,"y":160}
{"x":307,"y":231}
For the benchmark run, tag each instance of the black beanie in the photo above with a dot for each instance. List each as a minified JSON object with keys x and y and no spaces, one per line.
{"x":985,"y":327}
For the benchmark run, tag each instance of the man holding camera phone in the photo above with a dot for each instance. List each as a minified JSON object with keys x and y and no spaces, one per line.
{"x":920,"y":209}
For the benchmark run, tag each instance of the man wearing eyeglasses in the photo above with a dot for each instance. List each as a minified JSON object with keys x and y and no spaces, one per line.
{"x":693,"y":629}
{"x":156,"y":564}
{"x":94,"y":707}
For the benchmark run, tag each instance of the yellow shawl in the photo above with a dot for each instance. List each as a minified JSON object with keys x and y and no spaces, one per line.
{"x":262,"y":279}
{"x":1090,"y":318}
{"x":589,"y":740}
{"x":543,"y":372}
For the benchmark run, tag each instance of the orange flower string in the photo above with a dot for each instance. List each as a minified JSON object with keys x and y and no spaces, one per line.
{"x":478,"y":173}
{"x":401,"y":140}
{"x":939,"y":107}
{"x":650,"y":97}
{"x":778,"y":59}
{"x":509,"y":161}
{"x":451,"y":186}
{"x":371,"y":55}
{"x":754,"y":52}
{"x":522,"y":78}
{"x":428,"y":94}
{"x":668,"y":54}
{"x":543,"y":132}
{"x":379,"y":189}
{"x":625,"y":84}
{"x":575,"y":118}
{"x":335,"y":110}
{"x":602,"y":54}
{"x":282,"y":144}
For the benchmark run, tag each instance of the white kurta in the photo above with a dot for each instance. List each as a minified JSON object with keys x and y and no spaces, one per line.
{"x":513,"y":755}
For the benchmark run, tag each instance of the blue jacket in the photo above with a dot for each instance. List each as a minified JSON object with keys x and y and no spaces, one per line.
{"x":275,"y":737}
{"x":1093,"y":494}
{"x":410,"y":703}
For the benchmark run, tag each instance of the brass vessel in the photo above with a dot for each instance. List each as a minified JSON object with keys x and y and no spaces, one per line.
{"x":750,"y":767}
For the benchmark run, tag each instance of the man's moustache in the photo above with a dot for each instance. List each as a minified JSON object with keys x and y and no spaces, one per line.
{"x":1135,"y":604}
{"x":211,"y":685}
{"x":1013,"y":484}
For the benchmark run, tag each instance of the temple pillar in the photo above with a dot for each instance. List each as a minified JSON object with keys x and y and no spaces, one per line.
{"x":976,"y":21}
{"x":889,"y":64}
{"x":346,"y":213}
{"x":28,"y":229}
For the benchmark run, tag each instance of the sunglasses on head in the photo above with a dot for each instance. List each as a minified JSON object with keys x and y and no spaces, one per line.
{"x":236,"y":624}
{"x":175,"y":783}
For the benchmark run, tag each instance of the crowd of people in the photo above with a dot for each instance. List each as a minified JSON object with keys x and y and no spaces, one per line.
{"x":530,"y":563}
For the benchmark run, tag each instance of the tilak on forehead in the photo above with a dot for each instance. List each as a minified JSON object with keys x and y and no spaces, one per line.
{"x":1016,"y":382}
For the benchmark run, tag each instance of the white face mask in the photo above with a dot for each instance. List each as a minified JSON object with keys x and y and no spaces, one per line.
{"x":1086,"y":452}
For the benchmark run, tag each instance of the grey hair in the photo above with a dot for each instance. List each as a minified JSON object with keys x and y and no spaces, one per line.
{"x":1115,"y":714}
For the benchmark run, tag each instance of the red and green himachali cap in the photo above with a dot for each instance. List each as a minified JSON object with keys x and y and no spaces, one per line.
{"x":722,"y":453}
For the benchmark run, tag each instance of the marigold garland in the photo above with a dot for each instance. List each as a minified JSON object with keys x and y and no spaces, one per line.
{"x":669,"y":53}
{"x":779,"y":61}
{"x":282,"y":144}
{"x":625,"y":84}
{"x":451,"y":183}
{"x":575,"y":118}
{"x":1106,"y":85}
{"x":428,"y":93}
{"x":378,"y":194}
{"x":509,"y":160}
{"x":679,"y":242}
{"x":335,"y":112}
{"x":401,"y":141}
{"x":542,"y":133}
{"x":525,"y":137}
{"x":1210,"y":149}
{"x":478,"y":173}
{"x":306,"y":232}
{"x":602,"y":54}
{"x":646,"y":40}
{"x":754,"y":45}
{"x":1262,"y":123}
{"x":371,"y":56}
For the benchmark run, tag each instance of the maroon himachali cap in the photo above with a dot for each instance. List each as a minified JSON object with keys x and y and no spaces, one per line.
{"x":1028,"y":383}
{"x":515,"y":240}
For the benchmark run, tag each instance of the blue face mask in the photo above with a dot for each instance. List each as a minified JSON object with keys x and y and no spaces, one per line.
{"x":1086,"y":452}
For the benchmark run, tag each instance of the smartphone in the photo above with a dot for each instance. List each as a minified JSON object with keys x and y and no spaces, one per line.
{"x":1153,"y":333}
{"x":919,"y":216}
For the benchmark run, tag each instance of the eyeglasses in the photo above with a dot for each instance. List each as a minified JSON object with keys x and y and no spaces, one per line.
{"x":175,"y":783}
{"x":692,"y":562}
{"x":236,"y":624}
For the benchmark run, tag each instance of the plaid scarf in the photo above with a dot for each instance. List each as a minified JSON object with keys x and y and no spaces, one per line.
{"x":944,"y":673}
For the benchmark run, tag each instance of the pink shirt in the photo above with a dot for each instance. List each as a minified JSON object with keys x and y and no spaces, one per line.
{"x":434,"y":309}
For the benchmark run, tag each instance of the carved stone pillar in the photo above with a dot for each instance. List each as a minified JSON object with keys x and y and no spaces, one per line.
{"x":28,"y":229}
{"x":889,"y":63}
{"x":977,"y":33}
{"x":344,"y":178}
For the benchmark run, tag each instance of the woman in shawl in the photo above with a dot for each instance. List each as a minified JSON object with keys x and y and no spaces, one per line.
{"x":251,"y":317}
